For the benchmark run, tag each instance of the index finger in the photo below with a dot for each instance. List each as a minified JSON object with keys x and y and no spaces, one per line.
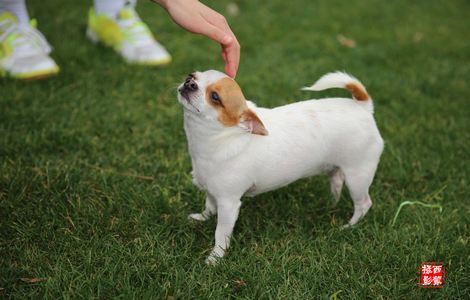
{"x":231,"y":53}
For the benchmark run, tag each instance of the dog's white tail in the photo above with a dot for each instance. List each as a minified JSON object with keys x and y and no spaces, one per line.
{"x":344,"y":81}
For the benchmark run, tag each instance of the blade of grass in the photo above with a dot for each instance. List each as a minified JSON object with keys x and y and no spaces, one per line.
{"x":428,"y":205}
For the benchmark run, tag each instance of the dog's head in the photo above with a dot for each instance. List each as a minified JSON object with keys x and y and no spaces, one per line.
{"x":215,"y":97}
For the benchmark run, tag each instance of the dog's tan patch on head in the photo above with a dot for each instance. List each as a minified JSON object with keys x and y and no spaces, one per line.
{"x":227,"y":98}
{"x":357,"y":92}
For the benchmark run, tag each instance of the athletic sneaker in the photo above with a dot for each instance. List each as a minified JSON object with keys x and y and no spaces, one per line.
{"x":24,"y":52}
{"x":127,"y":35}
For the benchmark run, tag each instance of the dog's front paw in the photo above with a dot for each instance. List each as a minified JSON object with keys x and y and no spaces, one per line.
{"x":215,"y":256}
{"x":348,"y":226}
{"x":212,"y":260}
{"x":198,"y":217}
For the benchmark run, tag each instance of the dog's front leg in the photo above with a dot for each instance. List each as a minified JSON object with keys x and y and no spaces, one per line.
{"x":227,"y":215}
{"x":210,"y":210}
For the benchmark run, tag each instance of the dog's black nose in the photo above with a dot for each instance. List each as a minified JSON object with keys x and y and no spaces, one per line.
{"x":190,"y":84}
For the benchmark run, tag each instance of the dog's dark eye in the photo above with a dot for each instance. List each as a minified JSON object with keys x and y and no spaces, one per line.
{"x":215,"y":98}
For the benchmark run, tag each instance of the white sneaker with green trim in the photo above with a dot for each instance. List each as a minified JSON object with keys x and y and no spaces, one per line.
{"x":24,"y":52}
{"x":127,"y":35}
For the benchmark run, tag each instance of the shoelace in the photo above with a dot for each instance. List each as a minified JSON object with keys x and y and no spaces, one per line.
{"x":28,"y":38}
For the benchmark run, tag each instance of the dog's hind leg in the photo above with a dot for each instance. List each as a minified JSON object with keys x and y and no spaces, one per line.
{"x":336,"y":183}
{"x":209,"y":210}
{"x":358,"y":182}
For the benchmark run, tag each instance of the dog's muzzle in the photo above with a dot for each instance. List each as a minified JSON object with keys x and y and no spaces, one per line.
{"x":189,"y":86}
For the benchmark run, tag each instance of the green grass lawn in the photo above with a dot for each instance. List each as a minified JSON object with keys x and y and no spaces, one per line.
{"x":94,"y":170}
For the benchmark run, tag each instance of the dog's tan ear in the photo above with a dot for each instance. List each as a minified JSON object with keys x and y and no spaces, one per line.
{"x":251,"y":123}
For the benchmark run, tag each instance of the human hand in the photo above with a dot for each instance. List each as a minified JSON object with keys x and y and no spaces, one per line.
{"x":198,"y":18}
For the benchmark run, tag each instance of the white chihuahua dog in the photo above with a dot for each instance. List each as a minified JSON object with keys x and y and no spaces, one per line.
{"x":238,"y":149}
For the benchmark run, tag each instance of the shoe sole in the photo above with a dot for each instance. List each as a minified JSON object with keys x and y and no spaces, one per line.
{"x":43,"y":74}
{"x":39,"y":77}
